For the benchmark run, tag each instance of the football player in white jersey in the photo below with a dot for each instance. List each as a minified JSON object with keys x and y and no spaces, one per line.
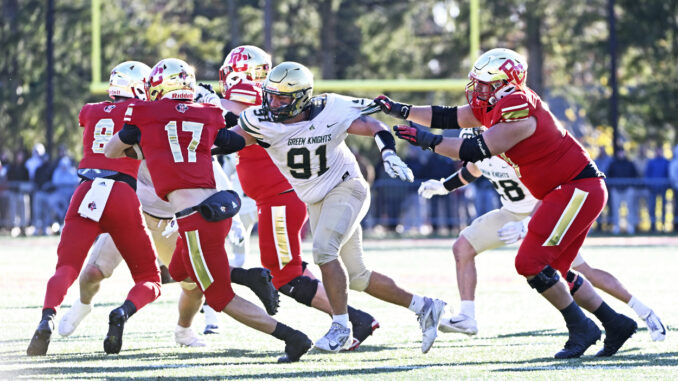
{"x":304,"y":136}
{"x":507,"y":225}
{"x":158,"y":216}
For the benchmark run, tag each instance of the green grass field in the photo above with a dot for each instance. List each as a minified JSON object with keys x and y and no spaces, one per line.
{"x":519,"y":331}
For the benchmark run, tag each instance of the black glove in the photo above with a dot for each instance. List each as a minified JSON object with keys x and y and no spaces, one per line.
{"x":398,"y":110}
{"x":208,"y":87}
{"x":417,"y":136}
{"x":231,"y":119}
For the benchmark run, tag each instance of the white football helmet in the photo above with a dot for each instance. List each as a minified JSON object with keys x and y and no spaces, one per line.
{"x":171,"y":78}
{"x":495,"y":74}
{"x":128,"y":80}
{"x":245,"y":62}
{"x":293,"y":81}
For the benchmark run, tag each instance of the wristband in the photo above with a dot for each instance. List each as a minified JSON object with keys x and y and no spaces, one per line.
{"x":384,"y":140}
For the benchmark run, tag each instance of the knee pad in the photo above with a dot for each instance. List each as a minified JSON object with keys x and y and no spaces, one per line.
{"x":574,"y":281}
{"x":545,"y":279}
{"x":302,"y":289}
{"x":360,"y":281}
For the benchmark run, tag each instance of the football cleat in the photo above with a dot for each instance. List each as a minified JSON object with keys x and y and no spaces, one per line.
{"x":41,"y":338}
{"x":116,"y":325}
{"x":260,"y":283}
{"x":581,"y":337}
{"x":616,"y":335}
{"x":295,"y":347}
{"x":336,"y":339}
{"x":429,"y":320}
{"x":655,"y":326}
{"x":363,"y":326}
{"x":211,"y":320}
{"x":186,"y":337}
{"x":460,"y":324}
{"x":73,"y":317}
{"x":211,"y":329}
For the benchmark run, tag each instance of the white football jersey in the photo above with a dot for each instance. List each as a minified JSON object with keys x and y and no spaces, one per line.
{"x":150,"y":202}
{"x":311,"y":154}
{"x":514,"y":195}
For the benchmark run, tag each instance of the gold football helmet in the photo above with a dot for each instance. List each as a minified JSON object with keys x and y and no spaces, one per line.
{"x":495,"y":74}
{"x":289,"y":80}
{"x":171,"y":78}
{"x":128,"y":80}
{"x":245,"y":62}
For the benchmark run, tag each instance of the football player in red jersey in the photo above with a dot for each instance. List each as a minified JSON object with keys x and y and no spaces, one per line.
{"x":104,"y":202}
{"x":553,"y":166}
{"x":281,"y":213}
{"x":176,"y":136}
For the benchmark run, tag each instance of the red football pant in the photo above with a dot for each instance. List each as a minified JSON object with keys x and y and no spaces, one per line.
{"x":123,"y":221}
{"x":201,"y":256}
{"x":281,"y":218}
{"x":559,"y":226}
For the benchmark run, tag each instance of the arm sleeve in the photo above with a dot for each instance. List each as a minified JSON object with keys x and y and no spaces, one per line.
{"x":130,"y":134}
{"x":227,"y":142}
{"x":444,"y":117}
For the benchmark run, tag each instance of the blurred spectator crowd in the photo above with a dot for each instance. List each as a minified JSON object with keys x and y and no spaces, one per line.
{"x":35,"y":191}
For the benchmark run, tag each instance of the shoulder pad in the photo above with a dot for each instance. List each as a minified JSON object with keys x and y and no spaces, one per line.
{"x":244,"y":93}
{"x":513,"y":107}
{"x":317,"y":104}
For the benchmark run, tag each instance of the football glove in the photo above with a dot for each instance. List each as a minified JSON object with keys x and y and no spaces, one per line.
{"x":513,"y":231}
{"x":171,"y":228}
{"x":431,"y":188}
{"x":237,"y":233}
{"x":396,"y":168}
{"x":395,"y":109}
{"x":205,"y":94}
{"x":417,"y":136}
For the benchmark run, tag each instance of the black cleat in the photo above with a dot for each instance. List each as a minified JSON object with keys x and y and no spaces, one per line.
{"x":211,"y":329}
{"x":295,"y":347}
{"x":616,"y":335}
{"x":582,"y":336}
{"x":41,"y":337}
{"x":116,"y":324}
{"x":363,"y":326}
{"x":259,"y":281}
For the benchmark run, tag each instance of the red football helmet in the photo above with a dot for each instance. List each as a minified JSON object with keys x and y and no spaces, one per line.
{"x":245,"y":62}
{"x":495,"y":74}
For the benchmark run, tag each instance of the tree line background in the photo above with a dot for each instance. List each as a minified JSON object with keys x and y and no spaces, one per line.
{"x":566,"y":43}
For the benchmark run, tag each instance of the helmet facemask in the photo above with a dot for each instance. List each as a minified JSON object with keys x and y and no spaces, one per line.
{"x":289,"y":79}
{"x":495,"y":74}
{"x":297,"y":103}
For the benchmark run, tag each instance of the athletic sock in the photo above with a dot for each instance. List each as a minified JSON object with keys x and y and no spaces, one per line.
{"x":573,"y":314}
{"x":210,"y":315}
{"x":48,"y":313}
{"x":468,"y":308}
{"x":282,"y":332}
{"x":641,"y":309}
{"x":605,"y":314}
{"x":417,"y":304}
{"x":341,"y":319}
{"x":129,"y":308}
{"x":239,"y":276}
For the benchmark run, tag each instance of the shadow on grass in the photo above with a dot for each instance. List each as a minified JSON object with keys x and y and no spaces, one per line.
{"x":622,"y":360}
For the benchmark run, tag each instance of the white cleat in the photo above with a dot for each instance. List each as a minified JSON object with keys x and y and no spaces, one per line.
{"x":336,"y":339}
{"x":73,"y":317}
{"x":459,"y":324}
{"x":429,"y":319}
{"x":655,"y":326}
{"x":187,"y":338}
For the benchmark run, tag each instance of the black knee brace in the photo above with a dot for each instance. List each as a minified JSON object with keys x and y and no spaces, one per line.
{"x":302,"y":289}
{"x":574,"y":280}
{"x":544,"y":280}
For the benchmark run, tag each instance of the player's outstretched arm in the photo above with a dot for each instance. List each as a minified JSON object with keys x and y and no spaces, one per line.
{"x":442,"y":117}
{"x":467,"y":174}
{"x":231,"y":140}
{"x":124,"y":144}
{"x":394,"y":167}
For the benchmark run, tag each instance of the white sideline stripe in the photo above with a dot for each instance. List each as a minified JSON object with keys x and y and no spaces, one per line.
{"x":505,"y":109}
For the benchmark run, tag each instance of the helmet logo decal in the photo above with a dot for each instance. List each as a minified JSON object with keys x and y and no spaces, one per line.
{"x":513,"y":71}
{"x":236,"y":57}
{"x":156,"y":76}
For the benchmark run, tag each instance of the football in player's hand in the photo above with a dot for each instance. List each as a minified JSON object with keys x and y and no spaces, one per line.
{"x":134,"y":152}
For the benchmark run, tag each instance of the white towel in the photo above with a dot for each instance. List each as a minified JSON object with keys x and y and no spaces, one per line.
{"x":94,"y":202}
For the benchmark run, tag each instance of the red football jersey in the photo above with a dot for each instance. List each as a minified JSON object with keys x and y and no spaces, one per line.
{"x":176,"y":139}
{"x":547,"y":159}
{"x":259,"y":177}
{"x":100,"y":122}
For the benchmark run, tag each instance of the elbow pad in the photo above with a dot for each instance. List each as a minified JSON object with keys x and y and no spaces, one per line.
{"x":474,"y":149}
{"x":227,"y":142}
{"x":444,"y":117}
{"x":130,"y":134}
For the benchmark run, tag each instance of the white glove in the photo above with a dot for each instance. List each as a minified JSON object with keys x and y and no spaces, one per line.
{"x":237,"y":233}
{"x":203,"y":95}
{"x":431,"y":188}
{"x":171,"y":228}
{"x":513,"y":231}
{"x":396,"y":168}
